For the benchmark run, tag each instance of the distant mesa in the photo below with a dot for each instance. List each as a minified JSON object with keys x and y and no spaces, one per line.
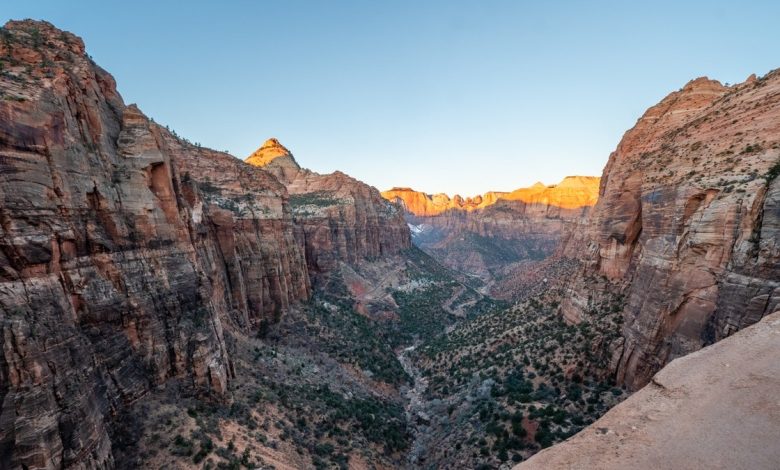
{"x":579,"y":182}
{"x":573,"y":192}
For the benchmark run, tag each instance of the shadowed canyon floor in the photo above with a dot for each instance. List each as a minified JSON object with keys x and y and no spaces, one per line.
{"x":164,"y":305}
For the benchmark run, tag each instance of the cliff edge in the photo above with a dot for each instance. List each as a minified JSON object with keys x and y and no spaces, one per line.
{"x":715,"y":408}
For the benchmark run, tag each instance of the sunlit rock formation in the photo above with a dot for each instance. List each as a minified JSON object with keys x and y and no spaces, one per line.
{"x":498,"y":236}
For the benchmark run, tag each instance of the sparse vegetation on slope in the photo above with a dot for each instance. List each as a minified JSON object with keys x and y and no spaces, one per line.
{"x":317,"y":199}
{"x":332,"y":325}
{"x":506,"y":384}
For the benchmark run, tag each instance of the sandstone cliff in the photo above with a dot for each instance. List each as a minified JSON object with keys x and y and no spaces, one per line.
{"x":716,"y":408}
{"x":574,"y":192}
{"x":125,"y":251}
{"x":428,"y":205}
{"x":686,"y":225}
{"x":337,"y":218}
{"x":497,"y":234}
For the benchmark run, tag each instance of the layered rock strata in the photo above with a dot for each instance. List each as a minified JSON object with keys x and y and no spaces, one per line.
{"x":572,"y":193}
{"x":126,"y":252}
{"x":686,"y":226}
{"x":489,"y":235}
{"x":337,"y":218}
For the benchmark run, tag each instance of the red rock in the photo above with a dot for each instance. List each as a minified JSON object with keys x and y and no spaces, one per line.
{"x":499,"y":236}
{"x":686,"y":225}
{"x":125,"y":251}
{"x":337,"y":218}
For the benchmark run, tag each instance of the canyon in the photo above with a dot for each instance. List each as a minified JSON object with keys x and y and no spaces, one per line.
{"x":165,"y":305}
{"x":500,"y":239}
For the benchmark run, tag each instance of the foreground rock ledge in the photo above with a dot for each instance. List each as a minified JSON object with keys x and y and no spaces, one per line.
{"x":716,"y":408}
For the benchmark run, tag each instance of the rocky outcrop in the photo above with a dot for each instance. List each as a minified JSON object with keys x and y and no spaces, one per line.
{"x":275,"y":159}
{"x":497,"y":234}
{"x":124,"y":252}
{"x":686,"y":225}
{"x":726,"y":392}
{"x":337,"y":218}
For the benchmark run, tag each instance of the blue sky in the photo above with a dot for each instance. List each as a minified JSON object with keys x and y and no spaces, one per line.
{"x":443,"y":96}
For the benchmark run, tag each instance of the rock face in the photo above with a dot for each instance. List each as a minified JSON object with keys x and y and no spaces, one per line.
{"x":727,"y":391}
{"x":430,"y":205}
{"x":337,"y":218}
{"x":686,"y":226}
{"x":276,"y":159}
{"x":493,"y":235}
{"x":125,"y":252}
{"x":574,"y":192}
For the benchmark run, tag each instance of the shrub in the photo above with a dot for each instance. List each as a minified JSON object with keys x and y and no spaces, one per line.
{"x":317,"y":199}
{"x":773,"y":172}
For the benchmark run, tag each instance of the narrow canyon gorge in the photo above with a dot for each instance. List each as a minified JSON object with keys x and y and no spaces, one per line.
{"x":165,"y":305}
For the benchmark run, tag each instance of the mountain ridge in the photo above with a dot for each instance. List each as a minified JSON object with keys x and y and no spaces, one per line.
{"x":337,"y":216}
{"x":500,"y":238}
{"x":426,"y":204}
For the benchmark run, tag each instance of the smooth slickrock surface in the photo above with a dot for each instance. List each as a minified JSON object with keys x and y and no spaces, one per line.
{"x":686,"y":225}
{"x":718,"y":408}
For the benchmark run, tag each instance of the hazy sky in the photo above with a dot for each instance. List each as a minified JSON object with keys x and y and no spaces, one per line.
{"x":449,"y":96}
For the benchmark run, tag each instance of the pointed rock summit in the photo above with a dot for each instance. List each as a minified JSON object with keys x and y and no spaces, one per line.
{"x":275,"y":158}
{"x":269,"y":152}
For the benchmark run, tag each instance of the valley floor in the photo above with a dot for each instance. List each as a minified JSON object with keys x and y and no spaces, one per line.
{"x":393,"y":364}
